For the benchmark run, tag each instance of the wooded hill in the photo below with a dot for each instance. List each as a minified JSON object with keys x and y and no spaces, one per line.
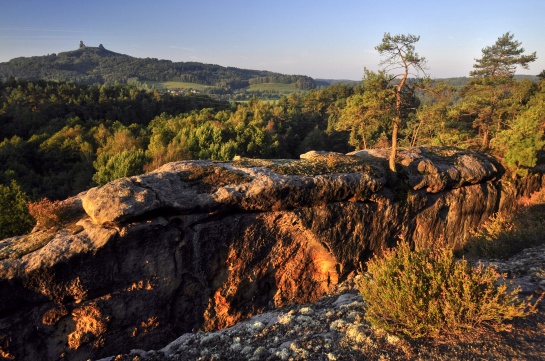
{"x":97,"y":65}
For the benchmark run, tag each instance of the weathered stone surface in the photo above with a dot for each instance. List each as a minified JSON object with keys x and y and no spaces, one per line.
{"x":436,"y":169}
{"x":204,"y":186}
{"x":201,"y":245}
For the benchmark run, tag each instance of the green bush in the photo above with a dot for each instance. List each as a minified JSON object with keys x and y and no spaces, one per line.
{"x":428,"y":293}
{"x":14,"y":217}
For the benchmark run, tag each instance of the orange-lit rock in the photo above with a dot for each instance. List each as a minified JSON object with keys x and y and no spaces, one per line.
{"x":200,"y":245}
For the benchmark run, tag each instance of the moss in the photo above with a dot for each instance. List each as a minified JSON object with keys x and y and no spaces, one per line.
{"x":443,"y":154}
{"x":209,"y":177}
{"x":318,"y":165}
{"x":18,"y":247}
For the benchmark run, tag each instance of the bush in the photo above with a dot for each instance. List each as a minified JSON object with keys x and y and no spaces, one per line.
{"x":48,"y":214}
{"x":14,"y":217}
{"x":507,"y":233}
{"x":427,"y":293}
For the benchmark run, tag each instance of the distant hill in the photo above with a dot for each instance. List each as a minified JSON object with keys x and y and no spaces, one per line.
{"x":97,"y":65}
{"x":459,"y":81}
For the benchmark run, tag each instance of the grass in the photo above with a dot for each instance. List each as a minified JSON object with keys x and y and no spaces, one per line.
{"x":268,"y":87}
{"x":275,"y":87}
{"x":178,"y":85}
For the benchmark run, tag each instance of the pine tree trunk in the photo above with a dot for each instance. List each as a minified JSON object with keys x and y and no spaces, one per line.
{"x":392,"y":160}
{"x":486,"y":137}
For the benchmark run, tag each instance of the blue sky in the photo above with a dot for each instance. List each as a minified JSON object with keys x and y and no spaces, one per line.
{"x":323,"y":39}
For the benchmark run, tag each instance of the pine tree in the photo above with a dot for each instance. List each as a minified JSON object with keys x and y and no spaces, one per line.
{"x":400,"y":57}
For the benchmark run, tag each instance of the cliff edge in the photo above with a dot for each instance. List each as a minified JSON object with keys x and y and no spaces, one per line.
{"x":201,"y":245}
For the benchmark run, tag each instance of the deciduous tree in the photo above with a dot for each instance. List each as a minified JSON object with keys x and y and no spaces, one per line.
{"x":367,"y":114}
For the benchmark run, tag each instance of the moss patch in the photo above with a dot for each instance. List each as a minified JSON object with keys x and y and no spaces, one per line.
{"x":20,"y":246}
{"x":318,"y":165}
{"x":208,"y":177}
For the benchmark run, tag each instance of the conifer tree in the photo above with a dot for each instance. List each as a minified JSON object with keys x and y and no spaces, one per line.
{"x":489,"y":91}
{"x":400,"y":58}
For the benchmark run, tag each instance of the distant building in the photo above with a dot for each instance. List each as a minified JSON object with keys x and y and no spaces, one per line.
{"x":81,"y":45}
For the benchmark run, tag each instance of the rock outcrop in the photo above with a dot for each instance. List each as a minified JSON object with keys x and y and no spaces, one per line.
{"x":334,"y":328}
{"x":201,"y":245}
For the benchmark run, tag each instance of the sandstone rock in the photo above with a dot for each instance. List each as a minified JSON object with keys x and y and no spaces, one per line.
{"x":436,"y":169}
{"x":202,"y":245}
{"x":204,"y":186}
{"x":338,"y":321}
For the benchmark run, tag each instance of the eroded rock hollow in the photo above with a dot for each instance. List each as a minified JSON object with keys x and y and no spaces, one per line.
{"x":201,"y":245}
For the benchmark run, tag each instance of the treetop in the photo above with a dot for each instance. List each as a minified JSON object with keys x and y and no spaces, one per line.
{"x":502,"y":58}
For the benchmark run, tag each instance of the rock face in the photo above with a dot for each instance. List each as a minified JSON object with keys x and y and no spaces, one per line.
{"x":202,"y":245}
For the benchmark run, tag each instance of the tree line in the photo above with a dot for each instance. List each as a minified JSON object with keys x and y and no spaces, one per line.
{"x":59,"y":139}
{"x":97,"y":65}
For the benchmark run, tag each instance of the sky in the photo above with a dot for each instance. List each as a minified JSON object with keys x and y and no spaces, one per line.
{"x":323,"y":39}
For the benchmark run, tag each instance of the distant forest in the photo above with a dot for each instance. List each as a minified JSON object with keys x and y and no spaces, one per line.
{"x":60,"y":138}
{"x":97,"y":65}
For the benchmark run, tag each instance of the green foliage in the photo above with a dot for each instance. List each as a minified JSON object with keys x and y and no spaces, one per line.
{"x":96,"y":65}
{"x":488,"y":97}
{"x":399,"y":56}
{"x":485,"y":102}
{"x":110,"y":167}
{"x":368,"y":114}
{"x":521,"y":142}
{"x":14,"y":217}
{"x":36,"y":107}
{"x":502,"y":58}
{"x":434,"y":123}
{"x":51,"y":134}
{"x":399,"y":50}
{"x":428,"y":293}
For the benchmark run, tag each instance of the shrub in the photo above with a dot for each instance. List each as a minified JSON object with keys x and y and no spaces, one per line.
{"x":428,"y":293}
{"x":496,"y":238}
{"x":14,"y":217}
{"x":507,"y":233}
{"x":48,"y":214}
